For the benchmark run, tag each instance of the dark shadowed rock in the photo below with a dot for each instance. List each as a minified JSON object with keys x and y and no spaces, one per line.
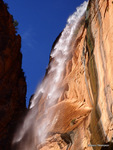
{"x":12,"y":79}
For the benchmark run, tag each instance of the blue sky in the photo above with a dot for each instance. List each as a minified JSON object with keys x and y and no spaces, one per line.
{"x":40,"y":22}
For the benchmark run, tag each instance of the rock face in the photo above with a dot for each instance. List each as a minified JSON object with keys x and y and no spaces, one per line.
{"x":82,"y":116}
{"x":12,"y":80}
{"x":85,"y":108}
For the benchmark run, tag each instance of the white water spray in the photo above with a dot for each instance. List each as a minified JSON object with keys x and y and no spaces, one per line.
{"x":50,"y":85}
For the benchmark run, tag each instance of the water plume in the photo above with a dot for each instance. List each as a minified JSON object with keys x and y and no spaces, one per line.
{"x":49,"y":88}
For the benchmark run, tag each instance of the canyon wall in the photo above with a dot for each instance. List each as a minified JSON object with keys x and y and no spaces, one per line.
{"x":82,"y":118}
{"x":12,"y":79}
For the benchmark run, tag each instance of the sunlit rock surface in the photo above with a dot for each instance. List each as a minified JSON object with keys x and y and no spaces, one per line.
{"x":12,"y":80}
{"x":79,"y":115}
{"x":83,"y":113}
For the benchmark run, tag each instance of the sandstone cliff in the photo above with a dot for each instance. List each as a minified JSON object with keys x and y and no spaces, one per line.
{"x":81,"y":117}
{"x":84,"y":110}
{"x":12,"y":80}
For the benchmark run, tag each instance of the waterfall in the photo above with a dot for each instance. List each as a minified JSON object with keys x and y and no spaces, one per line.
{"x":49,"y":87}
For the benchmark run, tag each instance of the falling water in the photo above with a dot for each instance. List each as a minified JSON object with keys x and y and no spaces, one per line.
{"x":50,"y":85}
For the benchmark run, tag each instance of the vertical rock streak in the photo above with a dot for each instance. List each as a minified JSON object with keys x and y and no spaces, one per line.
{"x":107,"y":90}
{"x":90,"y":45}
{"x":84,"y":63}
{"x":102,"y":50}
{"x":104,"y":97}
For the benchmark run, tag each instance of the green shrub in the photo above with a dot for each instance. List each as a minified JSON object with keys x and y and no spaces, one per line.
{"x":15,"y":23}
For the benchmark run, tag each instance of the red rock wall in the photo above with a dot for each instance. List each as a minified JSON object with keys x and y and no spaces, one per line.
{"x":83,"y":113}
{"x":85,"y":109}
{"x":12,"y":79}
